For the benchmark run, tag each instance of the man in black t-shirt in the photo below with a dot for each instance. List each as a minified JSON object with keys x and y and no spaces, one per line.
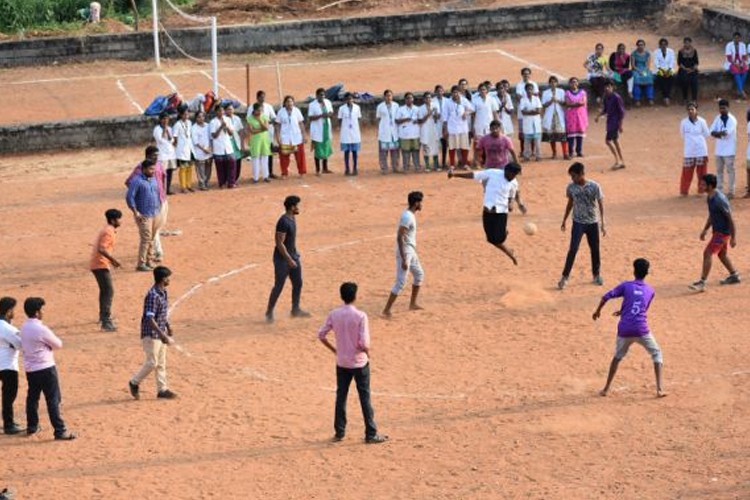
{"x":286,"y":261}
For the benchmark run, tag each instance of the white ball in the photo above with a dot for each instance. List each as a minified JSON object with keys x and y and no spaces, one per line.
{"x":529,"y":228}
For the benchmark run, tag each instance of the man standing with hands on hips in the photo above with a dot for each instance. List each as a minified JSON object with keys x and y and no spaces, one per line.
{"x":352,"y":361}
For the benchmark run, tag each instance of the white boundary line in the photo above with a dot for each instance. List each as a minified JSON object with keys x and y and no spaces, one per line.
{"x":529,"y":63}
{"x":231,"y":94}
{"x":129,"y":96}
{"x":170,"y":83}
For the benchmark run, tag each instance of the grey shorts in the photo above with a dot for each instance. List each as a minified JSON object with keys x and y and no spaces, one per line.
{"x":647,"y":341}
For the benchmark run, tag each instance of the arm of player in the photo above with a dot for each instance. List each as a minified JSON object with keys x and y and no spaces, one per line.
{"x":460,"y":175}
{"x":280,"y":239}
{"x":733,"y":236}
{"x":706,"y":227}
{"x":568,"y":209}
{"x":323,"y":332}
{"x":598,"y":311}
{"x":162,"y":334}
{"x":600,"y":202}
{"x":402,"y":246}
{"x":102,"y":250}
{"x":521,"y":205}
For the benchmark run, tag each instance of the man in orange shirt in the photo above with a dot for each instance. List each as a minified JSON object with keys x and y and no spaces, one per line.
{"x":102,"y":259}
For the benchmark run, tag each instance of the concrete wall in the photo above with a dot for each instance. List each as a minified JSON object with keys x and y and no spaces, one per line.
{"x":330,"y":33}
{"x":722,"y":23}
{"x":136,"y":130}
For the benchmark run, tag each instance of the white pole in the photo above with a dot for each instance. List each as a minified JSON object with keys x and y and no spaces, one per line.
{"x":214,"y":56}
{"x":155,"y":16}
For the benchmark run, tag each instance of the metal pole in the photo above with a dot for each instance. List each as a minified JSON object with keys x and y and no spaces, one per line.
{"x":278,"y":82}
{"x":247,"y":84}
{"x":155,"y":17}
{"x":214,"y":56}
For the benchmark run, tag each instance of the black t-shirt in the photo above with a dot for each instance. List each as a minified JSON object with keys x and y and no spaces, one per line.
{"x":288,"y":226}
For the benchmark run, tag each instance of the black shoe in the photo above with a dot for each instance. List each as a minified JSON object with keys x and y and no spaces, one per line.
{"x":134,"y":390}
{"x":376,"y":439}
{"x":68,"y":436}
{"x":300,"y":313}
{"x":269,"y":317}
{"x":6,"y":494}
{"x":13,"y":429}
{"x":166,"y":394}
{"x":31,"y":432}
{"x":338,"y":437}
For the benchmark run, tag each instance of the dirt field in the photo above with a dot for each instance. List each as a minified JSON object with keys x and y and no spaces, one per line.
{"x":488,"y":393}
{"x":115,"y":88}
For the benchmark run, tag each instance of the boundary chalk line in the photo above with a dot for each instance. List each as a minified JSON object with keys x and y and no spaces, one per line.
{"x":128,"y":96}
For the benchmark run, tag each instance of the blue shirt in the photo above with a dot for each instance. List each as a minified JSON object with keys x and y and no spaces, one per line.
{"x":636,"y":299}
{"x":718,"y":212}
{"x":155,"y":306}
{"x":143,"y":195}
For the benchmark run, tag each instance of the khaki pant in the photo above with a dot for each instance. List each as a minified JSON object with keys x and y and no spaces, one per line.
{"x":146,"y":230}
{"x":156,"y":358}
{"x":161,"y":223}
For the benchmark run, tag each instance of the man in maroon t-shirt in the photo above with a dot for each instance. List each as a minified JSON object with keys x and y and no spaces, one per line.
{"x":496,"y":147}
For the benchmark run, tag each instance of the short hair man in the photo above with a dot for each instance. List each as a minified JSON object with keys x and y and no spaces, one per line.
{"x":614,"y":109}
{"x":38,"y":343}
{"x":352,"y":361}
{"x":724,"y":130}
{"x":721,"y":222}
{"x":496,"y":148}
{"x":407,"y":259}
{"x":156,"y":335}
{"x":583,"y":198}
{"x":500,"y":189}
{"x":633,"y":326}
{"x":102,"y":260}
{"x":286,"y":260}
{"x":10,"y":346}
{"x":143,"y":200}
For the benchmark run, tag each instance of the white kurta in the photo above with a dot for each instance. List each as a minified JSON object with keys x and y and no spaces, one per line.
{"x":200,"y":135}
{"x":290,"y":132}
{"x":694,"y":136}
{"x":182,"y":132}
{"x":270,"y":115}
{"x":532,"y":124}
{"x":221,"y":145}
{"x":410,"y":128}
{"x":386,"y":115}
{"x":432,"y":129}
{"x":664,"y":62}
{"x":553,"y":109}
{"x":165,"y":144}
{"x":506,"y":113}
{"x":316,"y":126}
{"x":349,"y":117}
{"x":484,"y":110}
{"x":455,"y":121}
{"x":521,"y":91}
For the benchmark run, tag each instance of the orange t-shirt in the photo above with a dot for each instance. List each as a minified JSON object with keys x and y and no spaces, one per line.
{"x":106,"y":239}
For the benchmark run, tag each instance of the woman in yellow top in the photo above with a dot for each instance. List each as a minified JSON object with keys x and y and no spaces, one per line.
{"x":260,"y":142}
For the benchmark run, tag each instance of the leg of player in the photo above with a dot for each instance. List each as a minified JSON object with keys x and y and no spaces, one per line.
{"x":610,"y":376}
{"x":657,"y":373}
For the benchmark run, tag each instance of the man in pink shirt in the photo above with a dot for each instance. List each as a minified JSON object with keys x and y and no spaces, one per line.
{"x":496,"y":148}
{"x":352,"y":361}
{"x":37,"y":344}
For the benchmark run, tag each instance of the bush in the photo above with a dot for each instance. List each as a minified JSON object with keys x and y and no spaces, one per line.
{"x":17,"y":15}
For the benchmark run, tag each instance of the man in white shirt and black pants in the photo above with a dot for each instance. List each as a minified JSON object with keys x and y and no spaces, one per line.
{"x":10,"y":346}
{"x":500,"y":189}
{"x":724,"y":130}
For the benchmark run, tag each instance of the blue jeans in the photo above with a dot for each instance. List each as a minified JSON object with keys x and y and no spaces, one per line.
{"x":739,"y":81}
{"x":592,"y":237}
{"x":646,"y":89}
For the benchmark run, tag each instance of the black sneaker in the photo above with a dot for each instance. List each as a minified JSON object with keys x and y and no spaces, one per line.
{"x":376,"y":439}
{"x":134,"y":390}
{"x":269,"y":317}
{"x":338,"y":437}
{"x":13,"y":429}
{"x":31,"y":432}
{"x":67,"y":436}
{"x":300,"y":313}
{"x":109,"y":326}
{"x":167,"y":394}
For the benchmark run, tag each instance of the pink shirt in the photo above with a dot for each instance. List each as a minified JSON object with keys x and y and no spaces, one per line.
{"x":352,"y":335}
{"x":158,"y":173}
{"x":37,"y":344}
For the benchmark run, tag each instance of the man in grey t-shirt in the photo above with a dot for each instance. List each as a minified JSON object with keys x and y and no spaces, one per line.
{"x":583,"y":198}
{"x":407,"y":259}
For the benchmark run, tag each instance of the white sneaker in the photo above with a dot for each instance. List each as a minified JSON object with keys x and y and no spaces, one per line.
{"x":698,"y":286}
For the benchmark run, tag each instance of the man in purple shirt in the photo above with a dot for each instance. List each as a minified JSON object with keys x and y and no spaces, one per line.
{"x":352,"y":361}
{"x":633,"y":326}
{"x":614,"y":109}
{"x":37,"y":344}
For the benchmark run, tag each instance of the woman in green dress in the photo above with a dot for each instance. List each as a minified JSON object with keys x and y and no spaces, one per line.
{"x":260,"y":142}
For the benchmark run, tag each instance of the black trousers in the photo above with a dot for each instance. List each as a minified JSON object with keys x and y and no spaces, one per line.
{"x":106,"y":293}
{"x":282,"y":271}
{"x":444,"y":151}
{"x":664,"y":85}
{"x":592,"y":237}
{"x":46,"y":382}
{"x":361,"y":377}
{"x":688,"y":81}
{"x":9,"y":379}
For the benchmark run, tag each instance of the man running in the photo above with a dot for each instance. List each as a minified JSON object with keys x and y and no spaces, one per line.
{"x":583,"y":198}
{"x":500,"y":189}
{"x":407,"y":259}
{"x":720,"y":221}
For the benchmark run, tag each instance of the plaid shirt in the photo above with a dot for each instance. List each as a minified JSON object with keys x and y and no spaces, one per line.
{"x":155,"y":306}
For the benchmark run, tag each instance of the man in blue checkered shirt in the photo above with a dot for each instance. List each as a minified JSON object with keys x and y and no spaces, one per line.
{"x":156,"y":335}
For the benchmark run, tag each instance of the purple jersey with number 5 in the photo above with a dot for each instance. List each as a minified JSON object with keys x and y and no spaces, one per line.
{"x":636,"y":299}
